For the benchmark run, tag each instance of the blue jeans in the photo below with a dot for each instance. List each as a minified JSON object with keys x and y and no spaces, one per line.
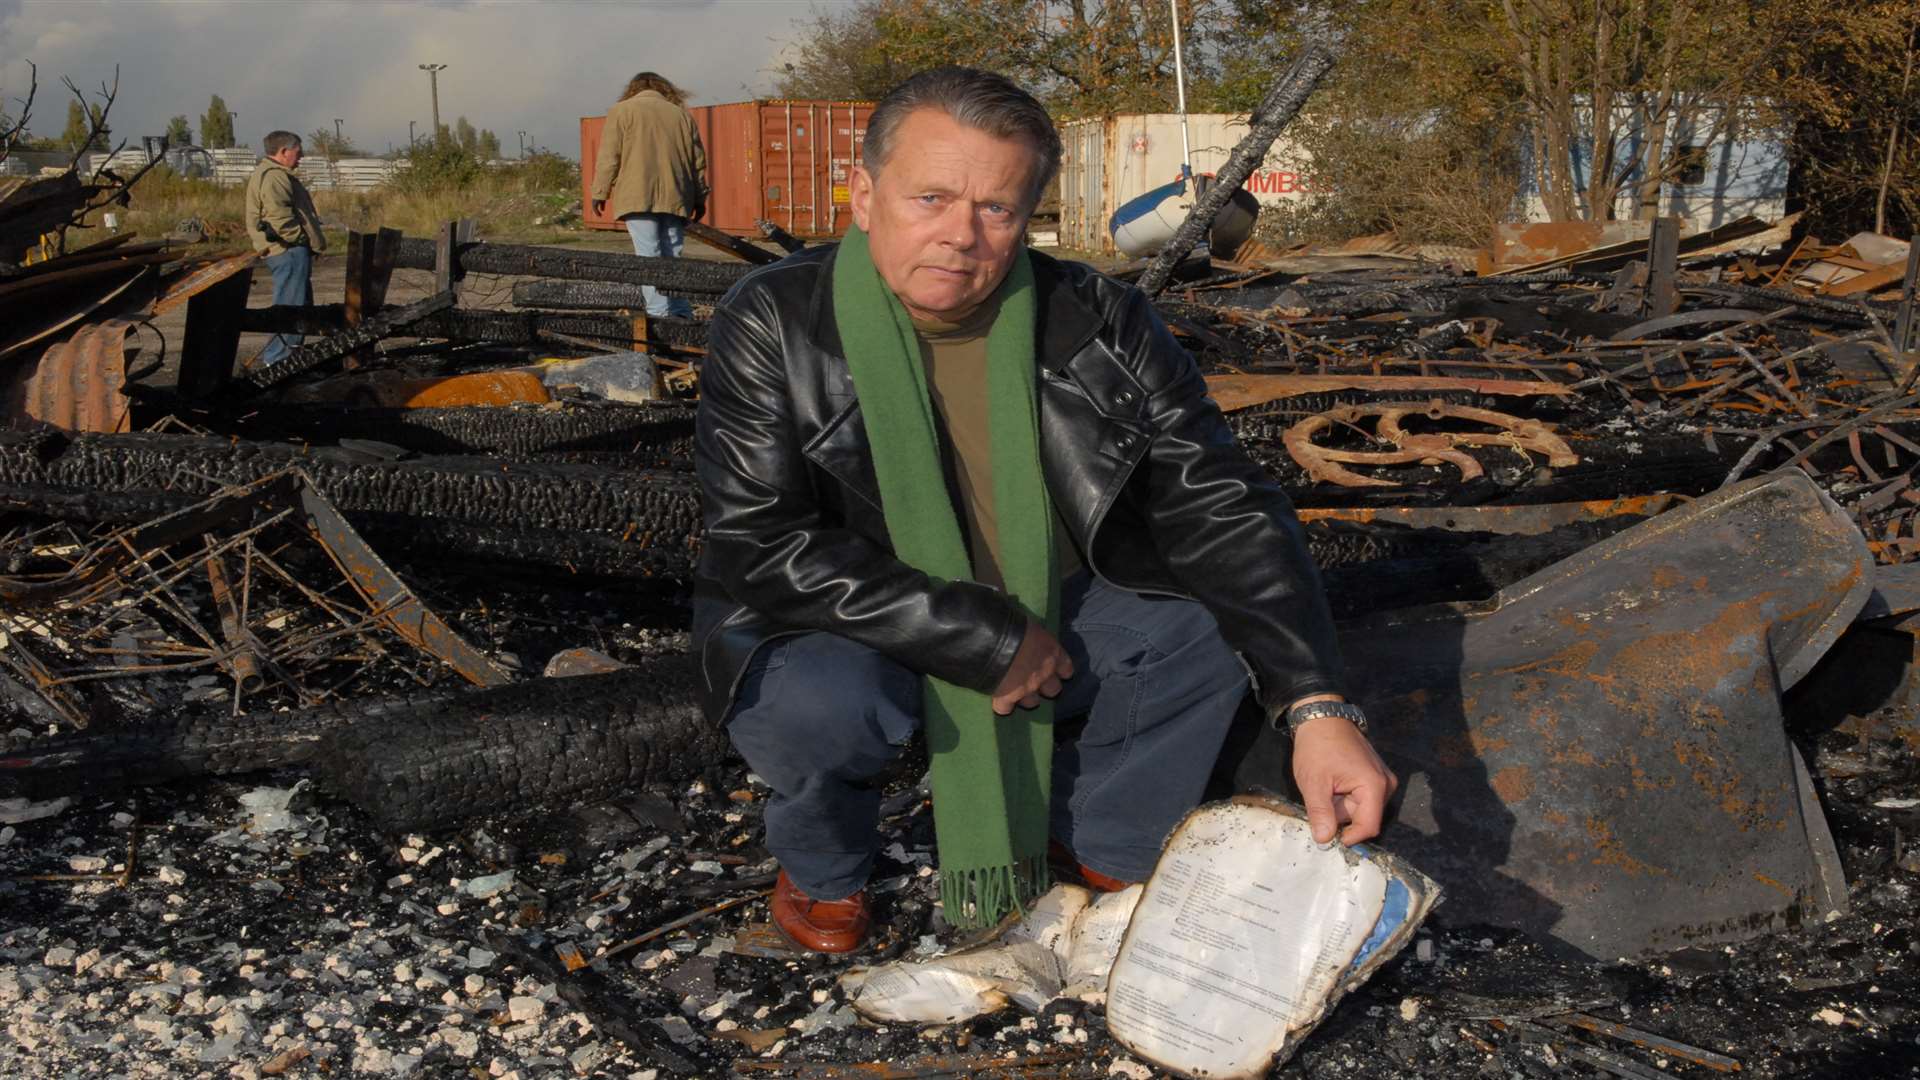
{"x":660,"y":235}
{"x":818,"y":716}
{"x":292,"y":286}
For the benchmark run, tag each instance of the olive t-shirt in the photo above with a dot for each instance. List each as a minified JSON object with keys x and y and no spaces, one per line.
{"x":955,"y":355}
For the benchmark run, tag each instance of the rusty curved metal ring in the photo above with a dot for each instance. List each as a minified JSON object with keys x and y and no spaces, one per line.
{"x":1328,"y":465}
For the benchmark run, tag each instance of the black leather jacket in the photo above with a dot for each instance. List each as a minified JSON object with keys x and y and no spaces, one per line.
{"x":1148,"y":478}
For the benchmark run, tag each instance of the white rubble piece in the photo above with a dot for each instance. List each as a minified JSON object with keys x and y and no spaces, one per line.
{"x":582,"y":661}
{"x":21,"y":811}
{"x":272,"y":808}
{"x":1028,"y":964}
{"x":1246,"y":935}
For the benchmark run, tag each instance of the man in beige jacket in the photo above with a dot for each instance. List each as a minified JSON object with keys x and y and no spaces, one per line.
{"x":649,"y":173}
{"x":283,"y":226}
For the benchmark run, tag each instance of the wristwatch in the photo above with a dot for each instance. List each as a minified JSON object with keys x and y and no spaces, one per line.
{"x":1314,"y":710}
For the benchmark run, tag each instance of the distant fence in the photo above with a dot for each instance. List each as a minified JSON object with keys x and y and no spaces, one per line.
{"x":227,"y":168}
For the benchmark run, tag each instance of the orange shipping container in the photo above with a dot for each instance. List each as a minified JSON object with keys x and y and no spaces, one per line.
{"x":788,"y":162}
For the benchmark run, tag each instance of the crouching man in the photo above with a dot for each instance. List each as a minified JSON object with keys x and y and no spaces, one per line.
{"x":958,"y":490}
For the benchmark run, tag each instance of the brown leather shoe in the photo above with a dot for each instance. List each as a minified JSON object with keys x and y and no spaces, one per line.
{"x":1066,"y":867}
{"x":828,"y":926}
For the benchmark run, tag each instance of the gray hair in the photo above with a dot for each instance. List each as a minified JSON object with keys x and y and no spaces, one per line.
{"x":979,"y":99}
{"x":277,"y":141}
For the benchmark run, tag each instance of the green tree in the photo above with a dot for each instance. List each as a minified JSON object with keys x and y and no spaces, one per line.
{"x":1082,"y":57}
{"x":179,"y":132}
{"x":216,"y":125}
{"x":322,"y":142}
{"x":489,"y":145}
{"x":83,"y":122}
{"x":465,"y":136}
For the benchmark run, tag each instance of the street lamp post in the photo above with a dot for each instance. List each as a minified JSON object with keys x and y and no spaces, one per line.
{"x":410,"y":124}
{"x":433,"y":76}
{"x":336,"y":130}
{"x":523,"y":145}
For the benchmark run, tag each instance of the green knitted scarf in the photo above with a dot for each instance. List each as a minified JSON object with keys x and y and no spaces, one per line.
{"x":990,"y":773}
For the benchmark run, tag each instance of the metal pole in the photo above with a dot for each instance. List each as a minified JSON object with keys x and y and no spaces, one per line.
{"x":1903,"y":322}
{"x":410,"y":124}
{"x":336,"y":129}
{"x":1663,"y":250}
{"x":1180,"y":90}
{"x":433,"y":78}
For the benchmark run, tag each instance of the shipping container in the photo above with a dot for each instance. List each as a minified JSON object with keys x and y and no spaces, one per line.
{"x":788,"y":162}
{"x":1109,"y":160}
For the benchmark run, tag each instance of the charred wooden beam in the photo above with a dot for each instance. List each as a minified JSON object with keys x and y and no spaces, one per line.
{"x":497,"y":327}
{"x":732,"y":245}
{"x":582,"y":295}
{"x":538,"y":327}
{"x":786,"y":240}
{"x":646,"y":436}
{"x":540,"y":745}
{"x":313,"y":354}
{"x":691,"y":275}
{"x":318,"y":320}
{"x":424,"y":760}
{"x":643,"y":508}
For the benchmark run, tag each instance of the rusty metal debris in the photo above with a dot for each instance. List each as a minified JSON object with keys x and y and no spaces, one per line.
{"x":1524,"y":436}
{"x":79,"y":384}
{"x":193,"y":283}
{"x":1550,"y":738}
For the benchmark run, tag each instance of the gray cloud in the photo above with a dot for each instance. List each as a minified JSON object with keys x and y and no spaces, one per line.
{"x":513,"y":65}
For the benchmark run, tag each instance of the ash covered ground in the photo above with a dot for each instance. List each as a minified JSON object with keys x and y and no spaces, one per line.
{"x":178,"y":930}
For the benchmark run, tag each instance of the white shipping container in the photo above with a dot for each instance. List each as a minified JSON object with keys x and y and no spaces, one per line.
{"x":1108,"y":160}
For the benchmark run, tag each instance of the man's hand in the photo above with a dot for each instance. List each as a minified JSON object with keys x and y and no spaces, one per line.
{"x":1038,"y":666}
{"x":599,"y":208}
{"x":1341,"y":779}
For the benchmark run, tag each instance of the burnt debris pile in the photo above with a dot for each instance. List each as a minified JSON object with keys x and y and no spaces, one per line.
{"x":360,"y":684}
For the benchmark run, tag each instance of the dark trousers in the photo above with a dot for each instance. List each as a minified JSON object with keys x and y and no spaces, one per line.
{"x":292,"y":286}
{"x":818,"y":716}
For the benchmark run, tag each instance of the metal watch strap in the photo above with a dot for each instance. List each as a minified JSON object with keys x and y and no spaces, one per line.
{"x":1346,"y":710}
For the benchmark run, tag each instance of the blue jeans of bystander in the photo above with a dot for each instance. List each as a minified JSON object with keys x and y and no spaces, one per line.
{"x":660,"y":235}
{"x":292,"y":287}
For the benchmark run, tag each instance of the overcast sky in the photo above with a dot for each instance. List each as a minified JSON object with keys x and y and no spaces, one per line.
{"x":512,"y":65}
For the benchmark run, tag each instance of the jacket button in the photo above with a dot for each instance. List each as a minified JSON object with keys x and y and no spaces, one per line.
{"x":1124,"y":442}
{"x":1124,"y":397}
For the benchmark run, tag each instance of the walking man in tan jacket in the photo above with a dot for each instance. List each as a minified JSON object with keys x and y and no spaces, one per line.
{"x":283,"y":226}
{"x":649,"y":173}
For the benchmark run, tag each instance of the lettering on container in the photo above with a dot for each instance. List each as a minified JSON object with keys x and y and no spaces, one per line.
{"x":1277,"y":182}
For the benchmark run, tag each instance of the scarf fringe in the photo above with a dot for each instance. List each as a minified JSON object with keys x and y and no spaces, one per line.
{"x":978,"y":898}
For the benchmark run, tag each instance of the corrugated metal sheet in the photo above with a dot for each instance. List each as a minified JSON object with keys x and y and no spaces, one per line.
{"x":77,"y":384}
{"x":1109,"y":160}
{"x":788,"y":162}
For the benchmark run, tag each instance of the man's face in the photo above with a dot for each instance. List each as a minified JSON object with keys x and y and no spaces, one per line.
{"x":946,"y":214}
{"x":289,"y":155}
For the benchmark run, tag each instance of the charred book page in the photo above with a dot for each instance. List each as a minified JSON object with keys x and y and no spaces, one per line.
{"x":1248,"y":933}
